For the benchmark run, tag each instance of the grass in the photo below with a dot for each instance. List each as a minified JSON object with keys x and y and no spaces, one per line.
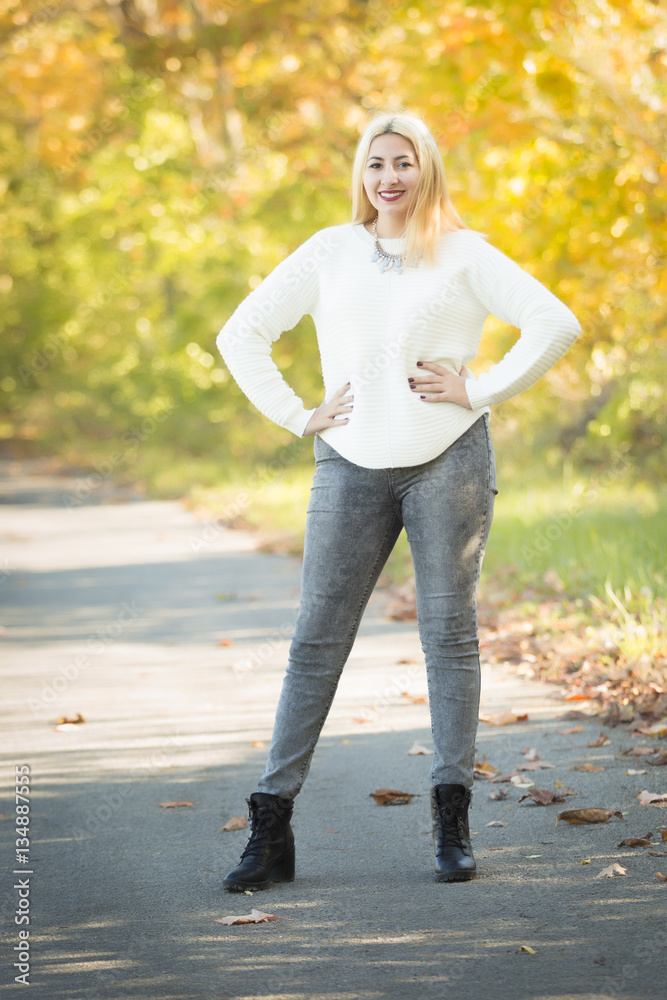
{"x":592,"y":544}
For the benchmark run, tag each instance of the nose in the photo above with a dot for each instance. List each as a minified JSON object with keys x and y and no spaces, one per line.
{"x":389,"y":176}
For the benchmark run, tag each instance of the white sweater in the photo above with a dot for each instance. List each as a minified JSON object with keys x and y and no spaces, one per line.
{"x":373,"y":327}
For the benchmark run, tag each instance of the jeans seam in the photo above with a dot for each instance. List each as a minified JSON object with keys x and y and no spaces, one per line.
{"x":350,"y":640}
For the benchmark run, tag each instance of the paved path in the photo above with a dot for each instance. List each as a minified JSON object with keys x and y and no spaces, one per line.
{"x":116,"y":611}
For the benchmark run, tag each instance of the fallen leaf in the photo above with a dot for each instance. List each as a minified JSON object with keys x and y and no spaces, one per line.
{"x":659,"y":760}
{"x":498,"y":794}
{"x":601,"y":741}
{"x":225,"y":642}
{"x":526,"y":948}
{"x":634,"y":770}
{"x":558,"y":783}
{"x":664,"y":834}
{"x":391,"y":797}
{"x":658,"y":854}
{"x":652,"y":798}
{"x":413,"y":699}
{"x":593,"y":814}
{"x":657,"y":729}
{"x":520,"y":781}
{"x":362,"y":718}
{"x":574,"y":713}
{"x":586,"y":861}
{"x":254,"y":917}
{"x":417,"y":748}
{"x":235,"y":823}
{"x":407,"y":659}
{"x":503,"y":718}
{"x":332,"y":831}
{"x":663,"y":878}
{"x":612,"y":870}
{"x":545,"y":797}
{"x":636,"y":841}
{"x":572,"y":729}
{"x":586,"y":767}
{"x":175,"y":805}
{"x":496,"y":822}
{"x":75,"y":720}
{"x":503,"y":777}
{"x":485,"y":770}
{"x":578,"y":697}
{"x":638,"y":752}
{"x":231,"y":596}
{"x":258,"y":744}
{"x":530,"y":753}
{"x":536,"y":765}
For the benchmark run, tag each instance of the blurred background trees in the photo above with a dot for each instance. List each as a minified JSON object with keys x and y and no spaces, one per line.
{"x":157,"y":159}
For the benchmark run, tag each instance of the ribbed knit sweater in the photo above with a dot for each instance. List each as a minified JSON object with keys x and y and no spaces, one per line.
{"x":372,"y":328}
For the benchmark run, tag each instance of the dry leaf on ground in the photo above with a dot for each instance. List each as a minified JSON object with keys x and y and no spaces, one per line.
{"x":175,"y":805}
{"x":545,"y":797}
{"x":593,"y":814}
{"x":417,"y":748}
{"x":663,"y":878}
{"x":74,"y":720}
{"x":601,"y":741}
{"x":258,"y":744}
{"x":612,"y":870}
{"x":225,"y":642}
{"x":634,"y":770}
{"x":586,"y":767}
{"x":254,"y":917}
{"x":391,"y":797}
{"x":570,"y":729}
{"x":413,"y":699}
{"x":530,"y":753}
{"x":657,"y":729}
{"x":527,"y":948}
{"x":573,"y":713}
{"x":521,"y":781}
{"x":652,"y":798}
{"x":503,"y":718}
{"x":362,"y":718}
{"x":638,"y":752}
{"x":235,"y":823}
{"x":484,"y":770}
{"x":499,"y":794}
{"x":659,"y":760}
{"x":496,"y":822}
{"x":636,"y":841}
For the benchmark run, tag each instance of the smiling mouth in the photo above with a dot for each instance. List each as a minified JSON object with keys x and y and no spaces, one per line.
{"x":391,"y":195}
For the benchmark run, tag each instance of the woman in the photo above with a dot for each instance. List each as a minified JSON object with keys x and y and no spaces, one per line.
{"x":399,"y":297}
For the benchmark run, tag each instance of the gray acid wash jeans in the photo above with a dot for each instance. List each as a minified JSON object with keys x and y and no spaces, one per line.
{"x":355,"y":516}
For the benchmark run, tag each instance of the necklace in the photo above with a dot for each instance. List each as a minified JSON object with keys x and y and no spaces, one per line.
{"x":385,"y":260}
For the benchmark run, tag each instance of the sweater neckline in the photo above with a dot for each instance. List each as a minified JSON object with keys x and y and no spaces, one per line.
{"x":391,"y":246}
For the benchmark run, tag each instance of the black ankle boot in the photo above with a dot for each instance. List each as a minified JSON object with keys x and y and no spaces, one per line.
{"x":451,"y":835}
{"x":269,"y":854}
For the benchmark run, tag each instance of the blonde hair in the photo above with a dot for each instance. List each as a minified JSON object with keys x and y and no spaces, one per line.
{"x":432,"y":211}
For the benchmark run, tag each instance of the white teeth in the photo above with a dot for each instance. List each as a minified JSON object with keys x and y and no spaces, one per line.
{"x":391,"y":196}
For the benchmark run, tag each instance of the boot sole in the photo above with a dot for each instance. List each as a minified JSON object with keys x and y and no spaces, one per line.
{"x":454,"y":876}
{"x":283,"y":871}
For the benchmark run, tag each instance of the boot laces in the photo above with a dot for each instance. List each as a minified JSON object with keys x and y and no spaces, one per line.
{"x":451,"y":832}
{"x":262,"y":823}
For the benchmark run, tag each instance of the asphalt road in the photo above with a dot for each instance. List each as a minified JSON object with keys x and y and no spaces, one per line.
{"x":115,"y":611}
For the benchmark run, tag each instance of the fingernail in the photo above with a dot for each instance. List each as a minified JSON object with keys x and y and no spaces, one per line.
{"x":422,"y":397}
{"x":410,"y":380}
{"x":419,"y":364}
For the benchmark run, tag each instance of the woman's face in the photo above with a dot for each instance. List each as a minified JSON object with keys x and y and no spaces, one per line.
{"x":391,"y":176}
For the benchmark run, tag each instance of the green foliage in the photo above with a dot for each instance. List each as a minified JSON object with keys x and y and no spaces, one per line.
{"x":157,"y":160}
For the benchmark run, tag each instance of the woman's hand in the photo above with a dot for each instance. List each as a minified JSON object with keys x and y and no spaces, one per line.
{"x":326,"y":414}
{"x":442,"y":386}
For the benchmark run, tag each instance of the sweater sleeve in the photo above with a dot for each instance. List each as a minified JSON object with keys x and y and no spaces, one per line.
{"x":547,"y":327}
{"x":288,"y":293}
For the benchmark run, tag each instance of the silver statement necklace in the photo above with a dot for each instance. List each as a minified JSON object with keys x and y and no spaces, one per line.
{"x":384,"y":259}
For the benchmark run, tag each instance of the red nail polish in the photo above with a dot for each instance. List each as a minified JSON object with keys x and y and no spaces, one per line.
{"x":419,"y":364}
{"x":422,"y":397}
{"x":410,"y":380}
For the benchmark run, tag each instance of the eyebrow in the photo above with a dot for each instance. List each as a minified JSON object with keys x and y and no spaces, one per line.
{"x":401,"y":156}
